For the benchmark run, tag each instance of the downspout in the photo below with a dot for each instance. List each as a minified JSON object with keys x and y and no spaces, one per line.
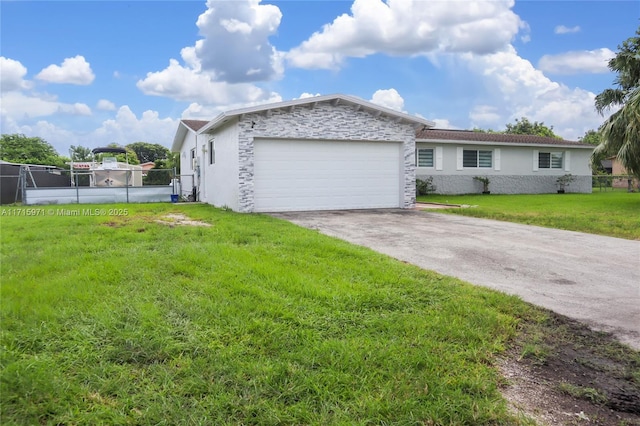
{"x":202,"y":173}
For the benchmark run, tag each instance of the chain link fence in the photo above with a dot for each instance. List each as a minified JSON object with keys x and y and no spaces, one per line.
{"x":56,"y":186}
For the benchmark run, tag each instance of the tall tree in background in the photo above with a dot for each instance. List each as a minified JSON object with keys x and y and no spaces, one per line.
{"x":18,"y":148}
{"x":81,"y":153}
{"x":131,"y":156}
{"x":149,"y":151}
{"x":523,"y":126}
{"x":621,"y":132}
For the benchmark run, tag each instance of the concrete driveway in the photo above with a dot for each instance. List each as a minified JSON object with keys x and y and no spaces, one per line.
{"x":590,"y":278}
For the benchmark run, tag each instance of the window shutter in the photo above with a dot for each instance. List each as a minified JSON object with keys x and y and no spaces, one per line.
{"x":535,"y":160}
{"x":496,"y":159}
{"x":567,"y":161}
{"x":438,"y":158}
{"x":459,"y":158}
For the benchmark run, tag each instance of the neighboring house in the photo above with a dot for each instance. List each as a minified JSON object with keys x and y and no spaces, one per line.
{"x":514,"y":164}
{"x":617,"y":169}
{"x":146,"y":167}
{"x":325,"y":152}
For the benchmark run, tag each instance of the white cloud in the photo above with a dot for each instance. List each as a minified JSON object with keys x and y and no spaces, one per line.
{"x":126,"y":128}
{"x":389,"y":98}
{"x":561,"y":29}
{"x":17,"y":106}
{"x":409,"y":27}
{"x":105,"y":105}
{"x":443,"y":123}
{"x":12,"y":74}
{"x":577,"y":62}
{"x":236,"y":44}
{"x":305,"y":95}
{"x":514,"y":88}
{"x":74,"y":70}
{"x":59,"y":138}
{"x":187,"y":84}
{"x":198,"y":111}
{"x":123,"y":129}
{"x":218,"y":69}
{"x":482,"y":115}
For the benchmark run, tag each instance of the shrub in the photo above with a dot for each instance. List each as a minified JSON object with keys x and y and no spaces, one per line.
{"x":425,"y":186}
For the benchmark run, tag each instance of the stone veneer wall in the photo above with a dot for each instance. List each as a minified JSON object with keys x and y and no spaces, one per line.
{"x":529,"y":184}
{"x":322,"y":121}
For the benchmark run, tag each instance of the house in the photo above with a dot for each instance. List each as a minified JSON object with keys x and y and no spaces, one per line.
{"x":514,"y":164}
{"x":319,"y":153}
{"x":146,"y":167}
{"x":623,"y":179}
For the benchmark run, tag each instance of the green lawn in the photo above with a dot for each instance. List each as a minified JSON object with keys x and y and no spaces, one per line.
{"x":123,"y":320}
{"x":613,"y":213}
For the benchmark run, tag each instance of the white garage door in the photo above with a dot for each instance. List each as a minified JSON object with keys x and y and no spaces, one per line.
{"x":291,"y":175}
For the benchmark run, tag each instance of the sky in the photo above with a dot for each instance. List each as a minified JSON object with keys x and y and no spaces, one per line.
{"x":91,"y":73}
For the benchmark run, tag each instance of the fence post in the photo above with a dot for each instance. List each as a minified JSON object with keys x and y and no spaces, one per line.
{"x":173,"y":181}
{"x":77,"y":190}
{"x":127,"y":184}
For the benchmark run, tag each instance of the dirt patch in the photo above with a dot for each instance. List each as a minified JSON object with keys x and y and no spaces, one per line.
{"x":178,"y":219}
{"x":562,"y":373}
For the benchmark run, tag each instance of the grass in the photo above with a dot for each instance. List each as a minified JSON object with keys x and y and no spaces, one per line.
{"x":612,"y":213}
{"x":588,"y":393}
{"x":123,"y":320}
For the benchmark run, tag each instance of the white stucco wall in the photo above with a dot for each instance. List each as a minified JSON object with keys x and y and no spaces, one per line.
{"x":516,"y":174}
{"x":188,"y":174}
{"x":220,"y":179}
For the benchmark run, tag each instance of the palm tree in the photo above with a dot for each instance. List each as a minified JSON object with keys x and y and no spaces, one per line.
{"x":621,"y":131}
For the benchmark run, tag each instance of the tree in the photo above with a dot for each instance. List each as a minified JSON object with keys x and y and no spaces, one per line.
{"x":149,"y":151}
{"x":159,"y":174}
{"x":81,"y":153}
{"x":131,"y":156}
{"x":591,"y":137}
{"x":621,"y":131}
{"x":18,"y":148}
{"x":525,"y":127}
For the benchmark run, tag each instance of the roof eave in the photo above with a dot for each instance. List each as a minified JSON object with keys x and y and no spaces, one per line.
{"x":178,"y":139}
{"x":416,"y":122}
{"x":466,"y":142}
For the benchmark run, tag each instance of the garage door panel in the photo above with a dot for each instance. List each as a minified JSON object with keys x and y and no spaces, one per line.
{"x":317,"y":175}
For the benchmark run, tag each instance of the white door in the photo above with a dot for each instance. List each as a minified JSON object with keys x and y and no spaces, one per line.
{"x":292,"y":175}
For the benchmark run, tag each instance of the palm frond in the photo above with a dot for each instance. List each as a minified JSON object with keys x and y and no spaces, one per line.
{"x":621,"y":134}
{"x":609,"y":98}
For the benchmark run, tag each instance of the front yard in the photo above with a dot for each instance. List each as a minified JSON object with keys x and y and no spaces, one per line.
{"x":133,"y":314}
{"x":613,"y":213}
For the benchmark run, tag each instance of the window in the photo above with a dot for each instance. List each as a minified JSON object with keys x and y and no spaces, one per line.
{"x":550,"y":160}
{"x":424,"y":157}
{"x":472,"y":158}
{"x":193,"y":159}
{"x":212,"y":154}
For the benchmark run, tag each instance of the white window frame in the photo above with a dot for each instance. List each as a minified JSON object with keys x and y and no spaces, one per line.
{"x":553,"y":156}
{"x":477,"y":162}
{"x":433,"y":158}
{"x":193,"y":158}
